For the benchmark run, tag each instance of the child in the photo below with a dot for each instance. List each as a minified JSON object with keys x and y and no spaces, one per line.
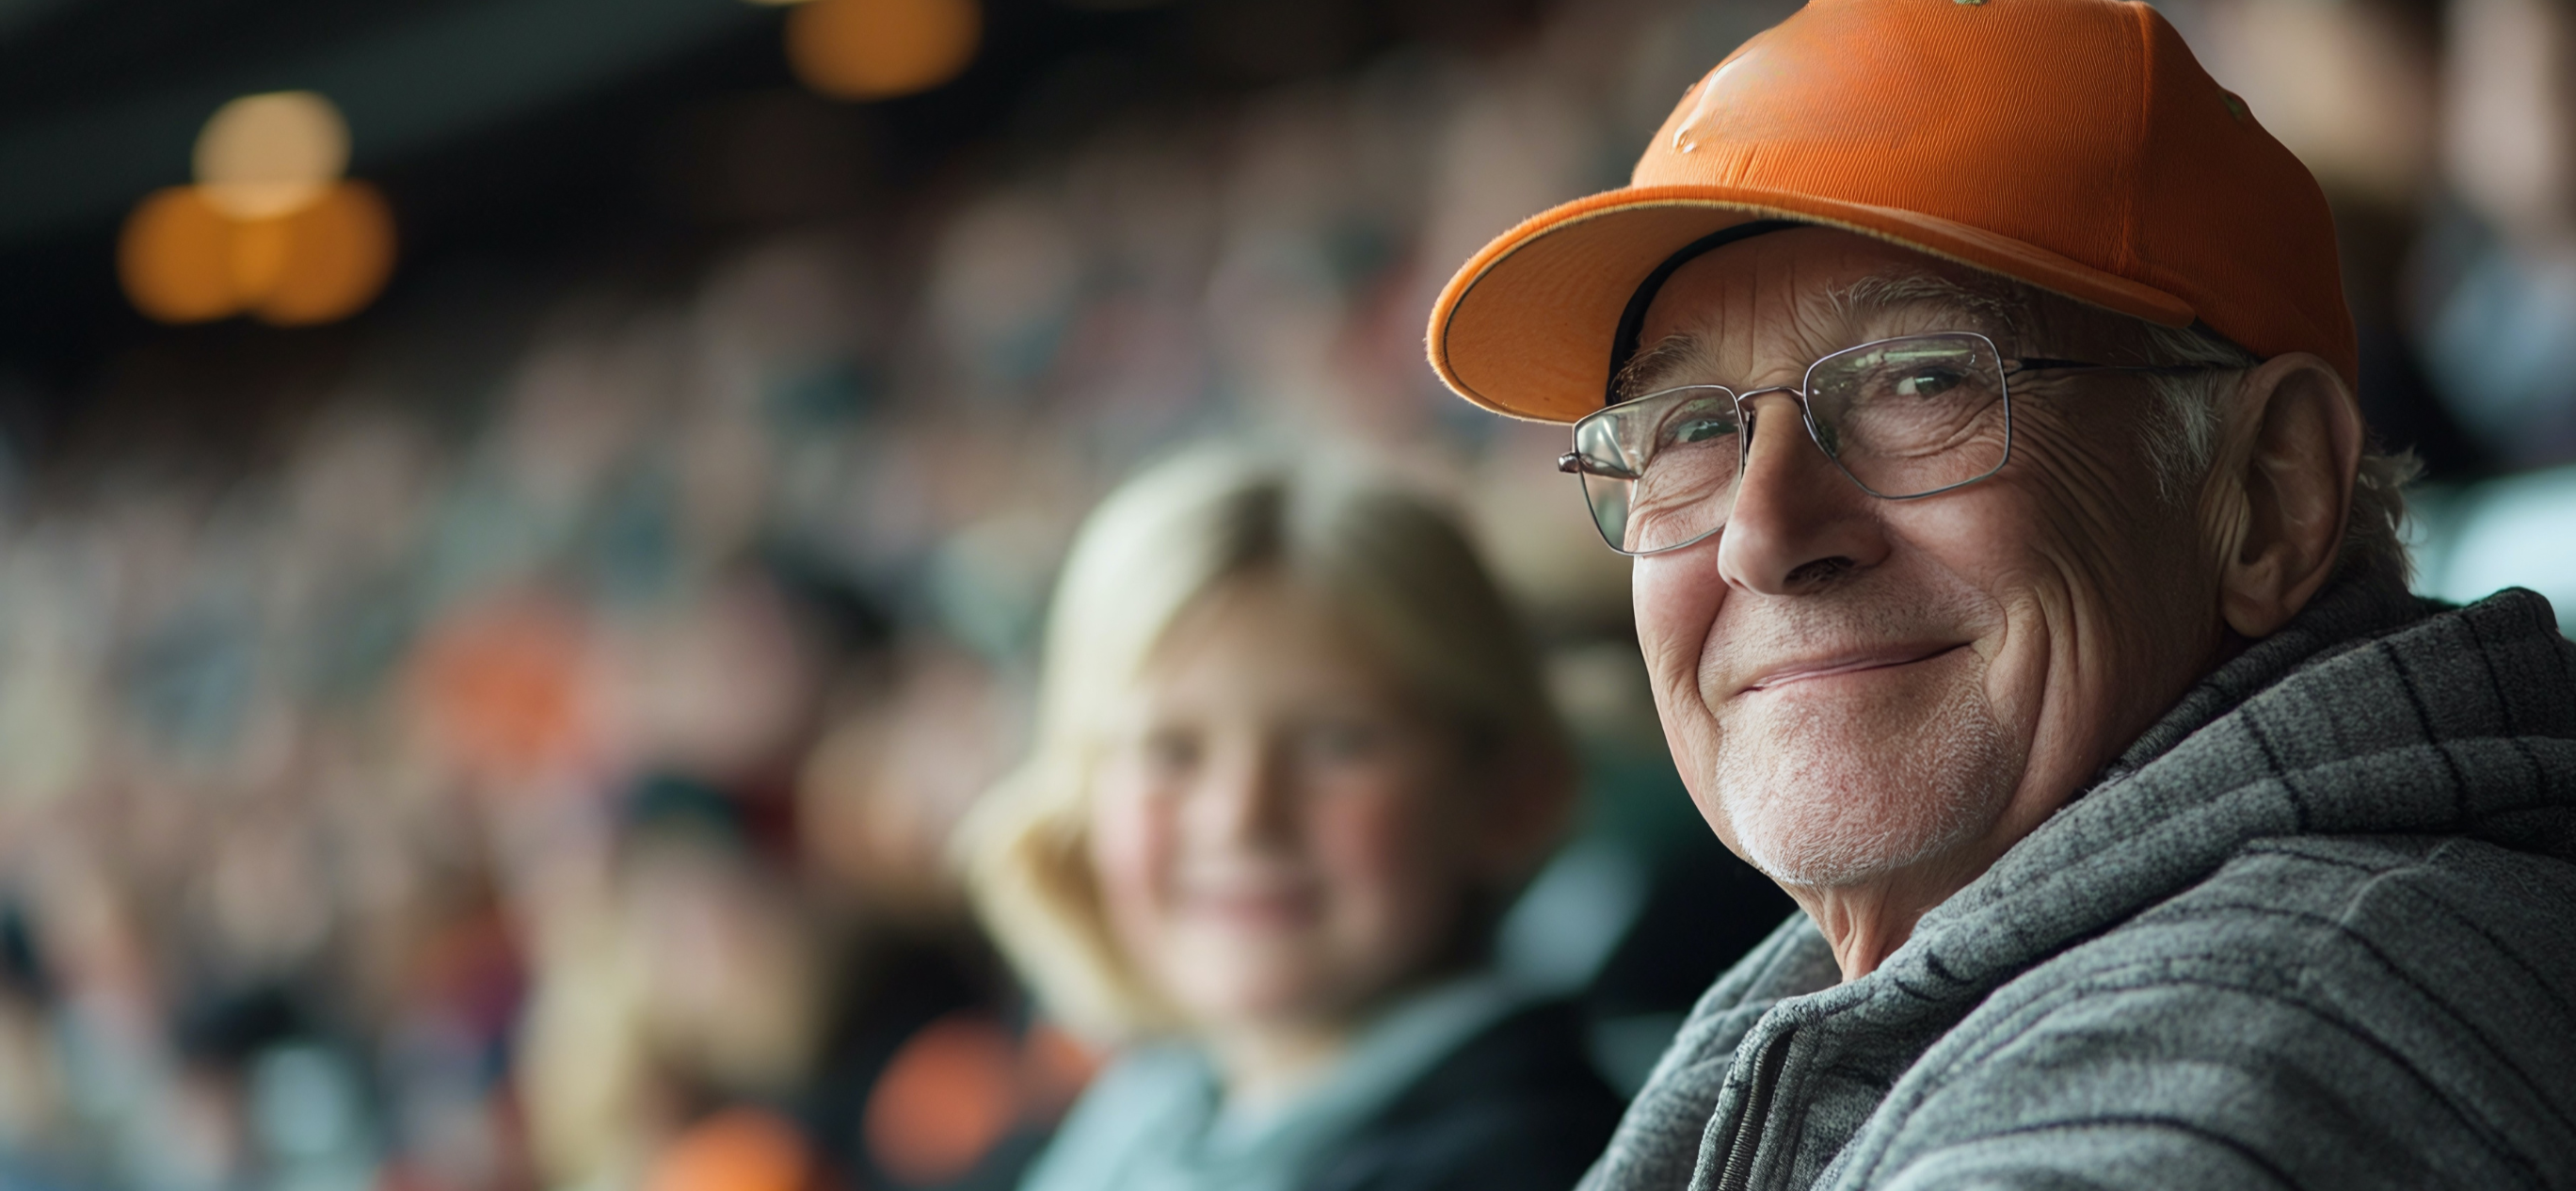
{"x":1293,"y":759}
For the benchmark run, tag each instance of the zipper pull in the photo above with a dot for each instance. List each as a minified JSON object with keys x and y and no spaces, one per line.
{"x":1749,"y":1128}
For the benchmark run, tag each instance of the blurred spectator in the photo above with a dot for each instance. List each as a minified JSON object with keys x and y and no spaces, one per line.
{"x":1294,"y":757}
{"x":2500,"y":278}
{"x":2351,"y":87}
{"x":699,"y":1016}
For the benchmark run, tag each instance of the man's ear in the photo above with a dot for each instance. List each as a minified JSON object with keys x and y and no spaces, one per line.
{"x":2282,"y":489}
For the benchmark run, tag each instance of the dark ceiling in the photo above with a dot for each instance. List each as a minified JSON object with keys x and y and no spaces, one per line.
{"x":537,"y":134}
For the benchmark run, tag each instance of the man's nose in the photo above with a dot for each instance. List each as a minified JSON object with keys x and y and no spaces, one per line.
{"x":1797,"y":519}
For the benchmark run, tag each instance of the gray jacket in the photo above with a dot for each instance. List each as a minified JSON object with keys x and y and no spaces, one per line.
{"x":2316,"y":928}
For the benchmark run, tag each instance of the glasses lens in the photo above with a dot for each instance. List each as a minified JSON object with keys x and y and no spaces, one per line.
{"x":1911,"y":416}
{"x":1659,"y":472}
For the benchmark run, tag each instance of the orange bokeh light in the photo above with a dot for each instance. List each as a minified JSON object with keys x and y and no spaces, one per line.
{"x":175,"y":258}
{"x":183,"y":260}
{"x":879,"y":49}
{"x":338,"y":254}
{"x":945,"y":1098}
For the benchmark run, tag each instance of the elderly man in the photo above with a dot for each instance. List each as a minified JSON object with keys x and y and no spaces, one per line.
{"x":1972,"y":383}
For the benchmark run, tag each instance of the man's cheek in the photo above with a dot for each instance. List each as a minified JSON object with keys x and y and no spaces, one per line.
{"x":1695,"y":741}
{"x":1677,"y":598}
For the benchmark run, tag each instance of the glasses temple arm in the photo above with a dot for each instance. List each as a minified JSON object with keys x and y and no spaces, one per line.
{"x":2050,"y":364}
{"x":1574,"y":464}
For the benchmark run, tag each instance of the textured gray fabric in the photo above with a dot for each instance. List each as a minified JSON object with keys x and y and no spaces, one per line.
{"x":2316,"y":928}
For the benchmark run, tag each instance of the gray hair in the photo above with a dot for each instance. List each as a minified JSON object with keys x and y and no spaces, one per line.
{"x":2183,"y":442}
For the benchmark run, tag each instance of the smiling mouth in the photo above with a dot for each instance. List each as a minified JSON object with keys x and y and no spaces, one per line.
{"x":1835,"y":667}
{"x":1257,"y":908}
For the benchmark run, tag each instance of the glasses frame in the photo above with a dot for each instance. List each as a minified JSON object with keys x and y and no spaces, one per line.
{"x":2007,"y":367}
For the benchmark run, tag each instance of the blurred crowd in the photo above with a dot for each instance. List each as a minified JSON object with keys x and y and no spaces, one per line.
{"x":2445,"y":137}
{"x":531,"y":763}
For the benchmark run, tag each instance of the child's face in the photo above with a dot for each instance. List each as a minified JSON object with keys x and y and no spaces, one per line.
{"x":1281,"y":835}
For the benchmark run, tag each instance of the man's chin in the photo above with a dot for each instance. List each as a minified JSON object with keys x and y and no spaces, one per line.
{"x":1812,"y":854}
{"x":1824,"y":802}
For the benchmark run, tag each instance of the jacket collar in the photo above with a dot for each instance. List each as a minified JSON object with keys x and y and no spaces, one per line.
{"x":2373,"y":712}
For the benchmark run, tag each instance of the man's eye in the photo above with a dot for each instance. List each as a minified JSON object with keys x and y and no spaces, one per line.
{"x":1701,"y":429}
{"x":1928,"y":382}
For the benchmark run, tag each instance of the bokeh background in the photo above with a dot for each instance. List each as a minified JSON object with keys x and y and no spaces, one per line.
{"x":524,"y":522}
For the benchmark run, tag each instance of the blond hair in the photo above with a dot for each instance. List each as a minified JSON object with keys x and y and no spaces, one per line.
{"x":1393,"y":564}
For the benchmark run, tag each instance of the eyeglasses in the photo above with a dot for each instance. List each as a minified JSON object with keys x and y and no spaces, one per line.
{"x":1904,"y":418}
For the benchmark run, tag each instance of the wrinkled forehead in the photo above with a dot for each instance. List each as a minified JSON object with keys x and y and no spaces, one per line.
{"x":1757,"y":312}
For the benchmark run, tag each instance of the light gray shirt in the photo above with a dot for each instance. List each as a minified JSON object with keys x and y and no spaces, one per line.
{"x":1157,"y":1120}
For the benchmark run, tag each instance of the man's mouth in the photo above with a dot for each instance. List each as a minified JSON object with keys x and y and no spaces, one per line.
{"x":1838,"y":665}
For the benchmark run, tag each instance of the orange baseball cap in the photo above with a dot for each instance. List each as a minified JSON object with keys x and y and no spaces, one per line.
{"x":2074,"y":145}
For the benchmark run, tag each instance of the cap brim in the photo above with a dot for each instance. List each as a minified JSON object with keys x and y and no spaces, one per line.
{"x":1525,"y":327}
